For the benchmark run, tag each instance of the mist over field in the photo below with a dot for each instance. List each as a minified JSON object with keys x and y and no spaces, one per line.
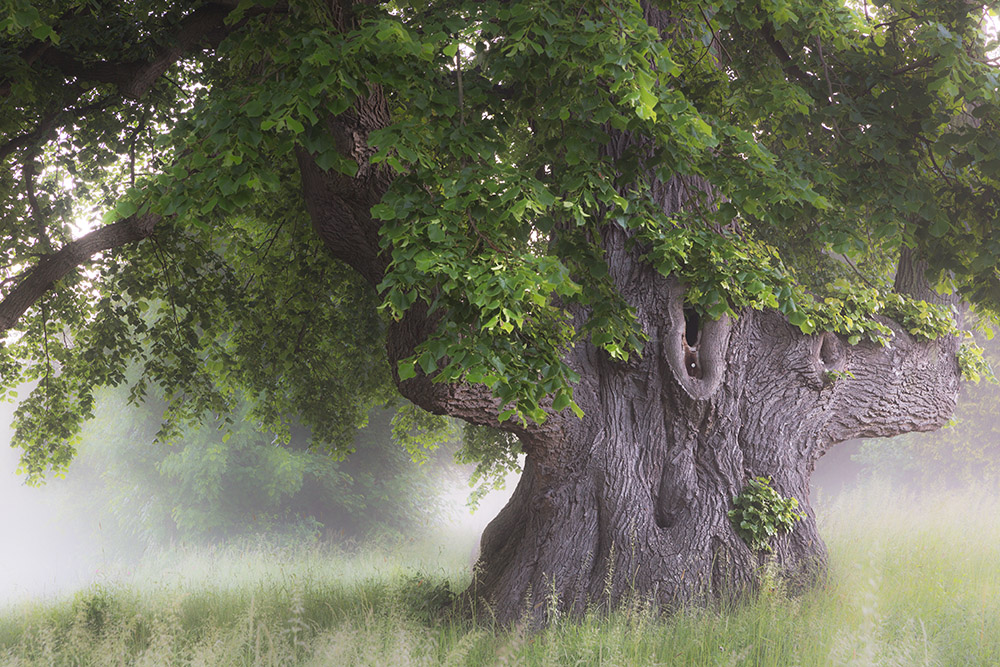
{"x":233,"y":548}
{"x":127,"y":557}
{"x":913,"y":581}
{"x":50,"y":548}
{"x":43,"y":549}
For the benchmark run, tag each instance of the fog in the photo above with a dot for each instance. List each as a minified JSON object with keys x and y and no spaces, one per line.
{"x":43,"y":551}
{"x":49,"y":547}
{"x":59,"y":538}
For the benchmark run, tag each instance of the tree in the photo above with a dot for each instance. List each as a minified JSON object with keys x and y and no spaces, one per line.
{"x":218,"y":484}
{"x":671,"y":247}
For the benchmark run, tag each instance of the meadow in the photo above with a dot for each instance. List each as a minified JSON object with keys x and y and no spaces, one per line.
{"x":914,"y":580}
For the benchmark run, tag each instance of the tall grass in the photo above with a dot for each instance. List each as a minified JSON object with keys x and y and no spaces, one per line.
{"x":913,"y":581}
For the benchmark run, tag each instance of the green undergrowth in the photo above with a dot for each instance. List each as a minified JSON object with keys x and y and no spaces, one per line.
{"x":913,"y":581}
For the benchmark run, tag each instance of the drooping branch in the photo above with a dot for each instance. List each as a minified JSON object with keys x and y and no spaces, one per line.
{"x":56,"y":266}
{"x":28,"y":174}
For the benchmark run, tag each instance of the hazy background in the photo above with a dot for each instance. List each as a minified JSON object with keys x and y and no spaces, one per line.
{"x":57,"y":538}
{"x":126,"y":498}
{"x":42,"y":550}
{"x":48,"y":547}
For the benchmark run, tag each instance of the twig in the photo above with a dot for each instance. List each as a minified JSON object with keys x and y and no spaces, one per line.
{"x":140,"y":126}
{"x":826,"y":68}
{"x":166,"y":277}
{"x":461,"y":91}
{"x":45,"y":345}
{"x":28,"y":174}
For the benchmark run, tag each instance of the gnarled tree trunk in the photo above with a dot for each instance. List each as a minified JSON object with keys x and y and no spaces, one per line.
{"x":633,"y":498}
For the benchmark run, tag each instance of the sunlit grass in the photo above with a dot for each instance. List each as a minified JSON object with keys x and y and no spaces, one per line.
{"x":913,"y":581}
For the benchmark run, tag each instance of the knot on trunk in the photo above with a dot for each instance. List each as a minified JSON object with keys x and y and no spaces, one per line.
{"x":695,"y":347}
{"x":829,"y":357}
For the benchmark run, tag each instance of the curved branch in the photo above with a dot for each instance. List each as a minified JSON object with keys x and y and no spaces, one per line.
{"x":787,"y":64}
{"x":134,"y":79}
{"x":52,"y":268}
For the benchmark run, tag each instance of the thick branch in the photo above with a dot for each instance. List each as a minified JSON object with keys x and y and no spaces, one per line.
{"x":46,"y":126}
{"x":54,"y":267}
{"x":134,"y":79}
{"x":911,"y":279}
{"x":767,"y":32}
{"x":474,"y":403}
{"x":206,"y":25}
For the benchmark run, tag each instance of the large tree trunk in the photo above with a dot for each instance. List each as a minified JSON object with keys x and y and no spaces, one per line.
{"x":633,"y":498}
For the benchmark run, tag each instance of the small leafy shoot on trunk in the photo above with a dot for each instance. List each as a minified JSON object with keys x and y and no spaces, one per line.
{"x":761,"y":513}
{"x":833,"y":376}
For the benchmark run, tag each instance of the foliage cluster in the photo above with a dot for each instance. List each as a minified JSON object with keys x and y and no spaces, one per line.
{"x":761,"y":513}
{"x":814,"y":135}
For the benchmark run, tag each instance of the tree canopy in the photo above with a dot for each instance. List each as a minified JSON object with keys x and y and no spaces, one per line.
{"x":163,"y":161}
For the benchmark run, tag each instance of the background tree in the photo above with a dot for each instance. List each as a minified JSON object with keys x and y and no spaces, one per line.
{"x":650,"y":240}
{"x":215,"y":484}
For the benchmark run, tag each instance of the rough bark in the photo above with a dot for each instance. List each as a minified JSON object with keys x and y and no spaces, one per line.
{"x":633,"y":498}
{"x":637,"y":503}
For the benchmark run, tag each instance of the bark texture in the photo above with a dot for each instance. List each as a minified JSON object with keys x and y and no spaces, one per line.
{"x":637,"y":503}
{"x":633,"y":498}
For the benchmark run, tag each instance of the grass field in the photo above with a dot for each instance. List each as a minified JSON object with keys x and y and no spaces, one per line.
{"x":913,"y":581}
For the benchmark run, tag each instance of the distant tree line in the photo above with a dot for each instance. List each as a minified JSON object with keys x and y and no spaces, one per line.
{"x":221,"y":482}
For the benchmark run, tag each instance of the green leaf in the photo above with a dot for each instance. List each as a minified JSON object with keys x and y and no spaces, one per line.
{"x":940,"y":227}
{"x":407,"y":369}
{"x":436,"y":234}
{"x":125,"y":208}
